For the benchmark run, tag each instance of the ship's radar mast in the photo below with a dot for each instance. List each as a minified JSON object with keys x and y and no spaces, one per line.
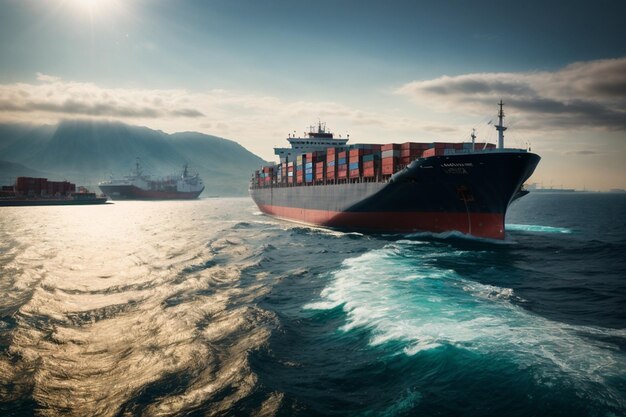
{"x":473,"y":136}
{"x":500,"y":127}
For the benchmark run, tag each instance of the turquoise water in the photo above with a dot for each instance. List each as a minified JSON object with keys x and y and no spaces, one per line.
{"x":210,"y":308}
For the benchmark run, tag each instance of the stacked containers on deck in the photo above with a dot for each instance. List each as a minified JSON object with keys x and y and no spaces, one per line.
{"x":355,"y":159}
{"x":410,"y":151}
{"x":331,"y":163}
{"x":310,"y":161}
{"x":283,"y":172}
{"x":308,"y":167}
{"x":300,"y":169}
{"x":390,"y":158}
{"x":438,"y":148}
{"x":342,"y":165}
{"x":320,"y":170}
{"x":267,"y":175}
{"x":371,"y":164}
{"x":290,"y":172}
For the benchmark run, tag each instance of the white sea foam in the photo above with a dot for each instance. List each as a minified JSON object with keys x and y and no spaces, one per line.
{"x":535,"y":228}
{"x":409,"y":299}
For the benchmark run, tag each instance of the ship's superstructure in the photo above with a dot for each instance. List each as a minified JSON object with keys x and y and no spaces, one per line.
{"x":407,"y":187}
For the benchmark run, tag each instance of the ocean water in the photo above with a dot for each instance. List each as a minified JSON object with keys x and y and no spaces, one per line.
{"x":210,"y":308}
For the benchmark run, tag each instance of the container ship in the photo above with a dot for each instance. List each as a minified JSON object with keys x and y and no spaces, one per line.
{"x":395,"y":188}
{"x":139,"y":186}
{"x":29,"y":191}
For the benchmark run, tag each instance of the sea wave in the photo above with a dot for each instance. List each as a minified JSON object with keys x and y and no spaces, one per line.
{"x":401,"y":293}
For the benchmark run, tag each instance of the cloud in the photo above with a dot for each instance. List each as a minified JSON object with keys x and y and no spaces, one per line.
{"x":581,"y":95}
{"x":582,"y":152}
{"x":47,"y":78}
{"x":56,"y":97}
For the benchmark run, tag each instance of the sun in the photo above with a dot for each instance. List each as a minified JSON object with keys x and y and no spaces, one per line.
{"x":89,"y":6}
{"x":97,"y":8}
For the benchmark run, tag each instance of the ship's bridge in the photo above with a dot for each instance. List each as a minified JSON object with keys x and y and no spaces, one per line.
{"x":316,"y":140}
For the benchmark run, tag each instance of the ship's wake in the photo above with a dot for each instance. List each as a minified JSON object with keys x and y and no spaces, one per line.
{"x":413,"y":301}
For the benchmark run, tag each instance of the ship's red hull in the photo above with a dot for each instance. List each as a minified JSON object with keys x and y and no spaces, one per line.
{"x":130,"y":192}
{"x":487,"y":225}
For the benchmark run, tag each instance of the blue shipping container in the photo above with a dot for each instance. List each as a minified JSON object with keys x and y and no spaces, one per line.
{"x":354,"y":166}
{"x":331,"y":164}
{"x":342,"y":161}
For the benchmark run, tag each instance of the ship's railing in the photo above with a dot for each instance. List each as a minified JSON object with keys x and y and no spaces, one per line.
{"x":379,"y":177}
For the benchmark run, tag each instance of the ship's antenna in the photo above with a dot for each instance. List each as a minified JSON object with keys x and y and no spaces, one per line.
{"x":473,"y":136}
{"x":500,"y":127}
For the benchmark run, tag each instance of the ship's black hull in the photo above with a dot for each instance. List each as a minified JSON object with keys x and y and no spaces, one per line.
{"x":469,"y":193}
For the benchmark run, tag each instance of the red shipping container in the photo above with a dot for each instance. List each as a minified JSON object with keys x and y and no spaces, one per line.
{"x":389,"y":169}
{"x":390,"y":147}
{"x":414,"y":153}
{"x":414,"y":145}
{"x":368,"y":172}
{"x":368,"y":164}
{"x":434,"y":152}
{"x":360,"y":152}
{"x":355,"y":173}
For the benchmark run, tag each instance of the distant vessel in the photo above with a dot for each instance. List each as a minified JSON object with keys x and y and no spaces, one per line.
{"x":29,"y":191}
{"x":408,"y":187}
{"x":537,"y":189}
{"x":139,"y":186}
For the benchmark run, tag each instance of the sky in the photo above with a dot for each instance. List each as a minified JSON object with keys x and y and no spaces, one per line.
{"x":255,"y":71}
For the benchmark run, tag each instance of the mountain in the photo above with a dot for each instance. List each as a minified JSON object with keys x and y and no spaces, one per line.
{"x":8,"y":170}
{"x":87,"y":152}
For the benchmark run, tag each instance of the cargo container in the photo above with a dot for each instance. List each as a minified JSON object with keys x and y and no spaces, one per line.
{"x":390,"y":146}
{"x":342,"y":171}
{"x":433,"y":152}
{"x":320,"y":171}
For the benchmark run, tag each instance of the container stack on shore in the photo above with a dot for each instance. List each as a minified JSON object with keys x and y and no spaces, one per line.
{"x":41,"y":187}
{"x":359,"y":162}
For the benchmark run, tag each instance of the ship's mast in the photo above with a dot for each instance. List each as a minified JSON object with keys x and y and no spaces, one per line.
{"x":137,"y":168}
{"x":500,"y":127}
{"x":473,"y":136}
